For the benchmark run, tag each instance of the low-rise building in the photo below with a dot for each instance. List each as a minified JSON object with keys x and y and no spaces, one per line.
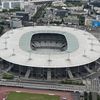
{"x":11,"y":4}
{"x":24,"y":15}
{"x":71,"y":20}
{"x":15,"y":23}
{"x":88,"y":21}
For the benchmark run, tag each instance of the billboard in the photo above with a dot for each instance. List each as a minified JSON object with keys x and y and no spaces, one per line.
{"x":96,"y":23}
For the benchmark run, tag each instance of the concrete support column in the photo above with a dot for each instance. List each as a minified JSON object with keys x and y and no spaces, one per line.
{"x":1,"y":65}
{"x":48,"y":74}
{"x":20,"y":70}
{"x":1,"y":60}
{"x":27,"y":74}
{"x":70,"y":74}
{"x":88,"y":69}
{"x":9,"y":68}
{"x":66,"y":73}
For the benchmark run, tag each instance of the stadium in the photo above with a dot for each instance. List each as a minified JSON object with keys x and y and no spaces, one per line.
{"x":49,"y":52}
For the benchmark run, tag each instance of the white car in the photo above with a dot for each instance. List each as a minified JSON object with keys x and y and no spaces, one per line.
{"x":64,"y":98}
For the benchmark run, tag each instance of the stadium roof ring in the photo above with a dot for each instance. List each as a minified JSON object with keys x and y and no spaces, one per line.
{"x":81,"y":47}
{"x":24,"y":42}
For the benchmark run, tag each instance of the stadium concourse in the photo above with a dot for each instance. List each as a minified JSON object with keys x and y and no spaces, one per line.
{"x":49,"y":52}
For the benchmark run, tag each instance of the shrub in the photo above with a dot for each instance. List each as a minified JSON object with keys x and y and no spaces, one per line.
{"x":73,"y":82}
{"x":8,"y":76}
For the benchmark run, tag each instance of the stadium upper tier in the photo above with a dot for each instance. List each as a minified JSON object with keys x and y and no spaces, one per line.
{"x":49,"y":47}
{"x":48,"y":41}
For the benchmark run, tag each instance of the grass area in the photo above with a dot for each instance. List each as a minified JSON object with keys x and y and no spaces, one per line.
{"x":30,"y":96}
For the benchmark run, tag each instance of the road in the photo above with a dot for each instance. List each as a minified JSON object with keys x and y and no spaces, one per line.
{"x":44,"y":86}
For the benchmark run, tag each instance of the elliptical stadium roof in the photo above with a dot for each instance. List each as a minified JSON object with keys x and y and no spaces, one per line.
{"x":83,"y":48}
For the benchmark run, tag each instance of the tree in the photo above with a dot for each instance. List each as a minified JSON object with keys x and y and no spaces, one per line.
{"x":81,"y":19}
{"x":85,"y":96}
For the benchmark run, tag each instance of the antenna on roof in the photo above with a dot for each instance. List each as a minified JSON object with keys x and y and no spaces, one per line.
{"x":91,"y":45}
{"x":68,"y":57}
{"x":5,"y":44}
{"x":30,"y":56}
{"x":84,"y":54}
{"x":13,"y":54}
{"x":49,"y":60}
{"x":7,"y":35}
